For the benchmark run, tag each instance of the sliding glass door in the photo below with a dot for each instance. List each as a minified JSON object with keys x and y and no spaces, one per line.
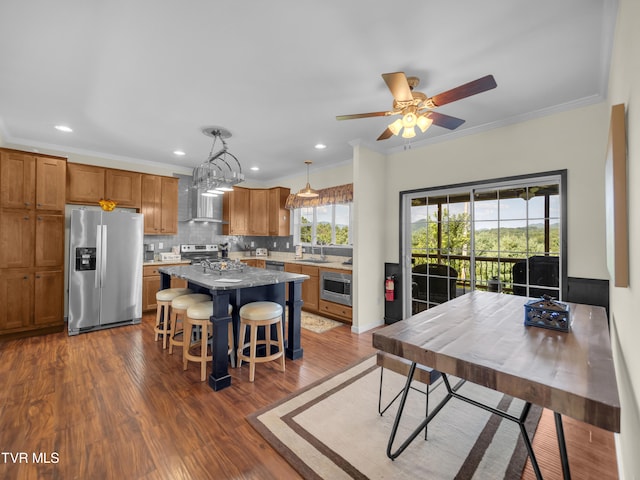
{"x":502,"y":236}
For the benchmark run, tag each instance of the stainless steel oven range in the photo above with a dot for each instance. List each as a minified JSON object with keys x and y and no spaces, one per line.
{"x":197,"y":253}
{"x":335,"y":287}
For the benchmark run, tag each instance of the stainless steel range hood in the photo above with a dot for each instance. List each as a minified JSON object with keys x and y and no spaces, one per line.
{"x":203,"y":208}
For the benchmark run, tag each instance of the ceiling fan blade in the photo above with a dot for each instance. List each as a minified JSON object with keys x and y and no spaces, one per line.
{"x":397,"y":83}
{"x":386,"y":134}
{"x":472,"y":88}
{"x":362,"y":115}
{"x":445,"y":121}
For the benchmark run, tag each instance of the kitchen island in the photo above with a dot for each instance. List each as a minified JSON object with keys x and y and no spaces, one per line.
{"x":238,"y":288}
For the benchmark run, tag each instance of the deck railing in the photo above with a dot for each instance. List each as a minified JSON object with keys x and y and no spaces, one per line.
{"x":492,"y":273}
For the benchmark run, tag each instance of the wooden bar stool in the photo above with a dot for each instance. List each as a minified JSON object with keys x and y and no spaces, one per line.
{"x":255,"y":315}
{"x":199,"y":314}
{"x":179,"y":306}
{"x":163,"y":299}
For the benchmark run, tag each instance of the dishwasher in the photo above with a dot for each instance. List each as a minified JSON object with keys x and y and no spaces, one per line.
{"x":274,"y":265}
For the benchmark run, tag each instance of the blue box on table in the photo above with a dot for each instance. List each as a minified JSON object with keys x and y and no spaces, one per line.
{"x":547,"y":313}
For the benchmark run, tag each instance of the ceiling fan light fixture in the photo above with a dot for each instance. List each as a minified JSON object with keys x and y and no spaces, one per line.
{"x":409,"y":132}
{"x":423,"y":123}
{"x":308,"y":192}
{"x":409,"y":120}
{"x":396,"y":126}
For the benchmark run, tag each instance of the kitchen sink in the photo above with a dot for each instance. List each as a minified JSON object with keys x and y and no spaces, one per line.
{"x":314,"y":260}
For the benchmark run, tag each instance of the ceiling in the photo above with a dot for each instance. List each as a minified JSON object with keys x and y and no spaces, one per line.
{"x":137,"y":80}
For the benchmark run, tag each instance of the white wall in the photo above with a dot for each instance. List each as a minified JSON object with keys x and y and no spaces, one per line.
{"x":624,"y":87}
{"x":573,"y":140}
{"x":369,"y":229}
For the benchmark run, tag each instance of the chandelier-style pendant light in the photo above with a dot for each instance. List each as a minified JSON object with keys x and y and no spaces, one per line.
{"x":308,"y":192}
{"x":221,"y":171}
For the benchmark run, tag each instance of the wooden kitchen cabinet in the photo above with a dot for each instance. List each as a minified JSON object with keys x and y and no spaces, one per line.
{"x":235,"y":212}
{"x":159,"y":204}
{"x":85,"y":184}
{"x":279,"y":225}
{"x":151,"y":285}
{"x":16,"y":298}
{"x":310,"y":287}
{"x":88,"y":184}
{"x":49,"y":297}
{"x":336,"y":310}
{"x":258,"y":212}
{"x":28,"y":180}
{"x":31,"y":243}
{"x":255,"y":262}
{"x":49,"y":240}
{"x":50,"y":183}
{"x":17,"y":238}
{"x":123,"y":187}
{"x":17,"y":179}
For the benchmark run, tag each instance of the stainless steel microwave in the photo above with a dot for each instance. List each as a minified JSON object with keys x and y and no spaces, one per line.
{"x":335,"y":287}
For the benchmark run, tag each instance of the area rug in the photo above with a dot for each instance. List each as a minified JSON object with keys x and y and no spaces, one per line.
{"x":332,"y":430}
{"x":318,"y":324}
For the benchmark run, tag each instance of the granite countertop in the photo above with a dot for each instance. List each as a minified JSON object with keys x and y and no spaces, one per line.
{"x":333,"y":261}
{"x":231,"y":280}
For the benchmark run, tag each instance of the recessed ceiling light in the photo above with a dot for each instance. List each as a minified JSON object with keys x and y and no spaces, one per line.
{"x":255,"y":169}
{"x":63,"y":128}
{"x":320,"y":146}
{"x":179,"y":153}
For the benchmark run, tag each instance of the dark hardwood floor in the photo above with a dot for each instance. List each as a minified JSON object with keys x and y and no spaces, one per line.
{"x":113,"y":404}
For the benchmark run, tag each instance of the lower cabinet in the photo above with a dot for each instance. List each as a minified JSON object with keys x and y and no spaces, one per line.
{"x":254,"y":262}
{"x":151,"y":285}
{"x":310,"y":287}
{"x":49,"y":297}
{"x":31,"y":302}
{"x":336,"y":310}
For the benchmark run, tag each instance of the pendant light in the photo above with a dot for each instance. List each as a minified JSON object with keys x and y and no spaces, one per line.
{"x":308,"y":192}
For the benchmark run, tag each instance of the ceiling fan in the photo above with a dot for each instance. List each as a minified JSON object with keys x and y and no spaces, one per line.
{"x":417,"y":109}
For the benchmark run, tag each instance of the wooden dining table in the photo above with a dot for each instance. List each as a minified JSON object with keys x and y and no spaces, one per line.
{"x":480,"y":337}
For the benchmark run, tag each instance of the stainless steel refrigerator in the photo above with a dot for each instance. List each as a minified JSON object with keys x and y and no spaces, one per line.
{"x":105,"y":269}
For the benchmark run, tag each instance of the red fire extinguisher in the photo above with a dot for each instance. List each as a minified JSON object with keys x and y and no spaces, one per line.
{"x":390,"y":288}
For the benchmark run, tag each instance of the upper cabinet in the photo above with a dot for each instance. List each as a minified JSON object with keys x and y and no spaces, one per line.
{"x":259,"y":212}
{"x":256,"y":212}
{"x":32,"y":181}
{"x":235,"y":212}
{"x":123,"y":187}
{"x":85,"y":183}
{"x":279,"y":224}
{"x":17,"y":180}
{"x":159,"y":204}
{"x":88,"y":184}
{"x":50,"y":183}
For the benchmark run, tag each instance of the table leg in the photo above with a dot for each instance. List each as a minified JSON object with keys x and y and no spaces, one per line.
{"x":562,"y":445}
{"x":393,"y":455}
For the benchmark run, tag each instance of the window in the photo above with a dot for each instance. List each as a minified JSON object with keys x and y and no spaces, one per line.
{"x":326,"y":225}
{"x":503,"y":236}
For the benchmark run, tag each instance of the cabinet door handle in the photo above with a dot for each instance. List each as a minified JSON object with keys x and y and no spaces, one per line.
{"x":26,"y":204}
{"x":39,"y":219}
{"x":26,"y":277}
{"x":25,"y":218}
{"x":38,"y":276}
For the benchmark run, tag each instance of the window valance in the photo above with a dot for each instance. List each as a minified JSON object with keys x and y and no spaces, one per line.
{"x":326,"y":196}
